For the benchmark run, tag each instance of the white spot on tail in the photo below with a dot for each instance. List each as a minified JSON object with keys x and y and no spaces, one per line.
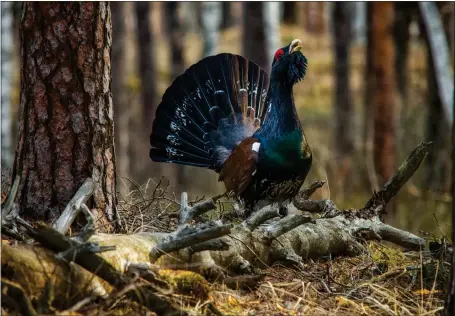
{"x":256,"y":146}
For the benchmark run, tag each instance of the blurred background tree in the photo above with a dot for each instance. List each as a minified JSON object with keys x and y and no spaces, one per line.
{"x":372,"y":92}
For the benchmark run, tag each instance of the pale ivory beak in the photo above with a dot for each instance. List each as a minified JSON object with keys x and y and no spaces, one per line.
{"x":296,"y":46}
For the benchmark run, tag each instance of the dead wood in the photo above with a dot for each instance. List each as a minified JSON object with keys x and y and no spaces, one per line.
{"x":220,"y":251}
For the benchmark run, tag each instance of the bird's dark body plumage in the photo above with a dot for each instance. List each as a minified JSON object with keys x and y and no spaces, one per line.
{"x":225,"y":114}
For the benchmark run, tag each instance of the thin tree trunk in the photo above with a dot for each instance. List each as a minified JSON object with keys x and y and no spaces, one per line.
{"x":369,"y":102}
{"x":383,"y":89}
{"x":343,"y":99}
{"x":146,"y":62}
{"x":271,"y":16}
{"x":226,"y":19}
{"x":66,"y":129}
{"x":438,"y":159}
{"x":449,"y":307}
{"x":119,"y":88}
{"x":441,"y":55}
{"x":343,"y":137}
{"x":7,"y":76}
{"x":141,"y":167}
{"x":403,"y":17}
{"x":254,"y":37}
{"x":211,"y":13}
{"x":290,"y":12}
{"x":319,"y":19}
{"x":176,"y":34}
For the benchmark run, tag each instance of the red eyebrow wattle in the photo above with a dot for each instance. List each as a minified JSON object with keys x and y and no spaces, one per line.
{"x":279,"y":53}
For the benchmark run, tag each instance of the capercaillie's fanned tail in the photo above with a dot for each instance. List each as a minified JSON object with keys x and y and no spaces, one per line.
{"x":208,"y":110}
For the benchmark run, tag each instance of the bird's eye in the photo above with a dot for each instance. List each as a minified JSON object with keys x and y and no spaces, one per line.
{"x":279,"y":53}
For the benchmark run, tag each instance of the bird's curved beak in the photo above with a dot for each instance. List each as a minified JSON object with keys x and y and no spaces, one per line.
{"x":296,"y":46}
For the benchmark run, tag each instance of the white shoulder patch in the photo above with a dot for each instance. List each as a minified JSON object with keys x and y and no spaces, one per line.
{"x":256,"y":146}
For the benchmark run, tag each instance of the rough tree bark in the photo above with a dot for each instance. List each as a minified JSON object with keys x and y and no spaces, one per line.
{"x":119,"y":88}
{"x":343,"y":136}
{"x":6,"y":73}
{"x":66,"y":113}
{"x":383,"y":55}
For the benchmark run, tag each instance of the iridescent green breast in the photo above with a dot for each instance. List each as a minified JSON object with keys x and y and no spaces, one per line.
{"x":288,"y":152}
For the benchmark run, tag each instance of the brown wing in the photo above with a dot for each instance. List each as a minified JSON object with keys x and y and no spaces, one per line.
{"x":240,"y":166}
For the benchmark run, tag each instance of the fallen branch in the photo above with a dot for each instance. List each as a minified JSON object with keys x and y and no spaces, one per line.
{"x":189,"y":213}
{"x":74,"y":206}
{"x":189,"y":240}
{"x":401,"y":176}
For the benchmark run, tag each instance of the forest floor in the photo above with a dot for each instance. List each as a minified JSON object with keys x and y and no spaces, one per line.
{"x":384,"y":280}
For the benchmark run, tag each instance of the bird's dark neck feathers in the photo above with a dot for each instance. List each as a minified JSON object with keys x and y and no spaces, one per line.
{"x":282,"y":115}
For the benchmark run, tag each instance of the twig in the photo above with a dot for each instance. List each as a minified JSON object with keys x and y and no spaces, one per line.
{"x":89,"y":228}
{"x":74,"y":206}
{"x":14,"y":294}
{"x":57,"y":242}
{"x":188,"y":213}
{"x":306,"y":193}
{"x":284,"y":225}
{"x":188,"y":240}
{"x":401,"y":176}
{"x":400,"y":237}
{"x":260,"y":217}
{"x":215,"y":244}
{"x":325,"y":207}
{"x":8,"y":205}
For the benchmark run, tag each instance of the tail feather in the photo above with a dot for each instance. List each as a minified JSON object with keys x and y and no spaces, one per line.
{"x":208,"y":110}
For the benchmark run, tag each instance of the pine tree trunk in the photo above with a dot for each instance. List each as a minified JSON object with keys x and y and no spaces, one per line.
{"x":403,"y":15}
{"x":449,"y":308}
{"x":319,"y":19}
{"x":176,"y":34}
{"x":146,"y":62}
{"x":343,"y":100}
{"x":141,"y":167}
{"x":383,"y":59}
{"x":438,"y":160}
{"x":343,"y":137}
{"x":254,"y":37}
{"x":290,"y":12}
{"x":368,"y":130}
{"x":7,"y":76}
{"x":226,"y":19}
{"x":271,"y":16}
{"x":66,"y":129}
{"x":211,"y":13}
{"x":119,"y":88}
